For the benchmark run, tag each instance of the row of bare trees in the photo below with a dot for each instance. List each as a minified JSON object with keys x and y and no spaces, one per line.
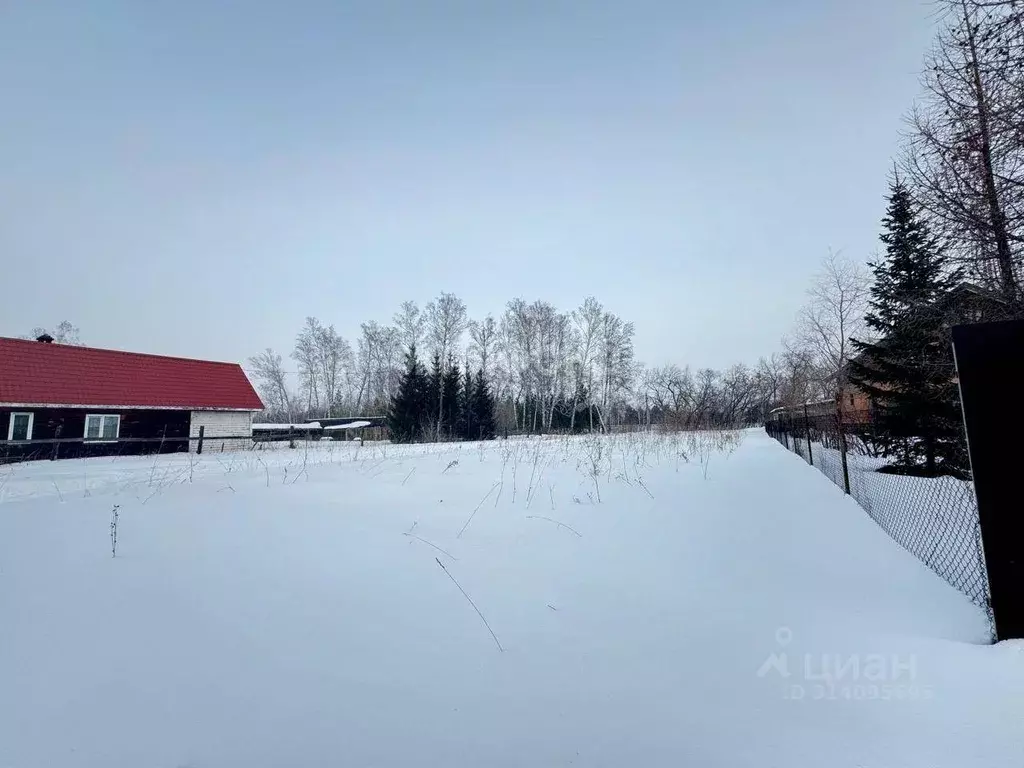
{"x":557,"y":371}
{"x":578,"y":364}
{"x":740,"y":395}
{"x":539,"y":360}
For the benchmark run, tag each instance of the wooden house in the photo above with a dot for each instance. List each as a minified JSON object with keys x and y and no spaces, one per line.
{"x":64,"y":401}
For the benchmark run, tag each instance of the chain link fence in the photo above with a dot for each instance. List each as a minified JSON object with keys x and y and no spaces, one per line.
{"x":927,"y":507}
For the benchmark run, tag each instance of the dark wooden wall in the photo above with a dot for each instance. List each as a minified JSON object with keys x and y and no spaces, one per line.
{"x":71,"y":424}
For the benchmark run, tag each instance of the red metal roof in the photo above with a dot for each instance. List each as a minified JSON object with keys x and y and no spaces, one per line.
{"x":35,"y":373}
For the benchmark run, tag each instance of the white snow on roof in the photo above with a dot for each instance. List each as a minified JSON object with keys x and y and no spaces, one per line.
{"x":310,"y":425}
{"x":350,"y":425}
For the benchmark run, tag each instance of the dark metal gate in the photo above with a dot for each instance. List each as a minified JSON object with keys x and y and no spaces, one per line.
{"x":990,"y":367}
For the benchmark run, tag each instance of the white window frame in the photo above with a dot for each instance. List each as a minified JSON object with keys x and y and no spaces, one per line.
{"x":10,"y":426}
{"x":102,"y":417}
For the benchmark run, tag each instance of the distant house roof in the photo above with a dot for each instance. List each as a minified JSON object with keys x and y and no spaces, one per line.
{"x":34,"y":373}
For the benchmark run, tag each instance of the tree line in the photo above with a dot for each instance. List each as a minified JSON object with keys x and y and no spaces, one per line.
{"x":543,"y":370}
{"x":956,"y":211}
{"x":444,"y":403}
{"x":546,"y":369}
{"x":952,"y":235}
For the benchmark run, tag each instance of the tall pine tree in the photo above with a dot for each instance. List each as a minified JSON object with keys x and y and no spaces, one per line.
{"x":484,"y":425}
{"x":451,"y":384}
{"x":465,"y":427}
{"x":406,"y":412}
{"x":909,"y":372}
{"x":431,"y":416}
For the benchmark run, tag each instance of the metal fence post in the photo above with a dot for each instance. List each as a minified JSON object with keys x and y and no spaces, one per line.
{"x":842,"y":446}
{"x":199,"y":447}
{"x":56,"y":445}
{"x":807,"y":432}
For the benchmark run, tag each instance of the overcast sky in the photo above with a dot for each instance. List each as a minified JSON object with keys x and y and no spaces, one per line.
{"x":194,"y":177}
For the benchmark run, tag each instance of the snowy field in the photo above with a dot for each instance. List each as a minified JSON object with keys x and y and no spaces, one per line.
{"x":643,"y":601}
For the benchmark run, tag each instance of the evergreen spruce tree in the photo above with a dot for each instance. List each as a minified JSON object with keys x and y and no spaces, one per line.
{"x":909,"y":372}
{"x":405,"y":414}
{"x":483,"y":408}
{"x":466,"y":425}
{"x":451,"y":384}
{"x":432,"y":394}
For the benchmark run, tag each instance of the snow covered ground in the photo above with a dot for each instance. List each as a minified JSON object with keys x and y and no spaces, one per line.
{"x":306,"y":608}
{"x":935,"y":518}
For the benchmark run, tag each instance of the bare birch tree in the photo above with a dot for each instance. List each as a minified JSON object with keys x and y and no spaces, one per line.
{"x":378,"y":365}
{"x":518,"y":331}
{"x":271,"y":380}
{"x":587,"y":320}
{"x":306,"y":355}
{"x":483,"y":341}
{"x":836,"y":302}
{"x":801,"y":378}
{"x":563,"y":349}
{"x":411,"y":324}
{"x":446,"y":322}
{"x":336,"y":362}
{"x":770,"y":377}
{"x":505,"y":376}
{"x":615,"y":360}
{"x":543,"y":367}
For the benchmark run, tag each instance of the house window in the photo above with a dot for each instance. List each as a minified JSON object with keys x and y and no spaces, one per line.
{"x":102,"y":427}
{"x":20,"y":427}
